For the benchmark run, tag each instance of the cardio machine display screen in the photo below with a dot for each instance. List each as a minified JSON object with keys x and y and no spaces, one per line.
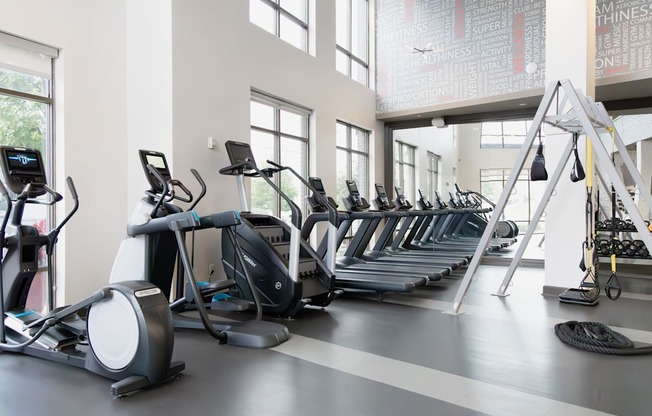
{"x":399,"y":191}
{"x":380,"y":190}
{"x":239,"y":152}
{"x":421,"y":195}
{"x":353,"y":188}
{"x":156,"y":159}
{"x":24,"y":162}
{"x":317,"y":184}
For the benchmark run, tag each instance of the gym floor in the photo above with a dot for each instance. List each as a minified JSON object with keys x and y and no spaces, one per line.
{"x":399,"y":357}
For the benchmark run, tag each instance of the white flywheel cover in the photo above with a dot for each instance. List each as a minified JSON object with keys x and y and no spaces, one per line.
{"x":113,"y":331}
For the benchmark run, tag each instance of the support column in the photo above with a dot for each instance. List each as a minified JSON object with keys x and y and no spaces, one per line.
{"x":643,"y":156}
{"x":570,"y":54}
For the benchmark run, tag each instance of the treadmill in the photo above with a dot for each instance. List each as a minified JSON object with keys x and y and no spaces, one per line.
{"x":355,"y":274}
{"x":388,"y":246}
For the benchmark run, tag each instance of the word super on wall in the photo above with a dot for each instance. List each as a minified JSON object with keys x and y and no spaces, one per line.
{"x":437,"y":51}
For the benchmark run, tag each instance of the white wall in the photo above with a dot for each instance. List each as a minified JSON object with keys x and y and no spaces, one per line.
{"x":165,"y":75}
{"x":91,"y":127}
{"x":218,"y":56}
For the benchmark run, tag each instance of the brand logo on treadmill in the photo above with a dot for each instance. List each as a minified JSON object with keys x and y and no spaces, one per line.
{"x":248,"y":260}
{"x":147,"y":292}
{"x":278,"y":285}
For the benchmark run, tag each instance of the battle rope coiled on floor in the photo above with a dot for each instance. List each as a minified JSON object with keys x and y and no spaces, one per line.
{"x":597,"y":337}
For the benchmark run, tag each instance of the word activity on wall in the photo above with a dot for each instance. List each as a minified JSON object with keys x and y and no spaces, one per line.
{"x":475,"y":49}
{"x":432,"y":52}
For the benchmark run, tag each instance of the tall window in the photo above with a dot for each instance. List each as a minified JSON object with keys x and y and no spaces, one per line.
{"x":432,"y":175}
{"x":352,"y":164}
{"x":352,"y":50}
{"x":286,"y":19}
{"x":504,"y":134}
{"x":523,"y":201}
{"x":404,"y":168}
{"x":279,"y":132}
{"x":26,"y":102}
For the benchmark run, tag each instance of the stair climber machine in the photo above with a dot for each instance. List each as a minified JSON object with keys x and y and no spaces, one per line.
{"x":355,"y":274}
{"x":152,"y":247}
{"x":287,"y":272}
{"x":123,"y":331}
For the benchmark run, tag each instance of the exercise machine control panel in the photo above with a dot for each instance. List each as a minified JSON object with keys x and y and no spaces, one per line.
{"x":20,"y":167}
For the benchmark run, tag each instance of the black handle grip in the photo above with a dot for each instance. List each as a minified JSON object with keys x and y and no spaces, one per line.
{"x":71,"y":186}
{"x":276,"y":165}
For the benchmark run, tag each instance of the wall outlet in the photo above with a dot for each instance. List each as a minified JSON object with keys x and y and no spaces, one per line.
{"x":211,"y":270}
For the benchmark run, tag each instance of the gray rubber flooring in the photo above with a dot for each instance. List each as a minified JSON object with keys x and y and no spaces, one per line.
{"x":504,"y":342}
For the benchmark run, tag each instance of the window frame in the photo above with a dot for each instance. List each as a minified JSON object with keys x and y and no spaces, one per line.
{"x":346,"y":50}
{"x":432,"y":174}
{"x":350,"y":151}
{"x":279,"y":105}
{"x":400,"y":164}
{"x":280,"y":12}
{"x":47,"y":152}
{"x":502,"y":135}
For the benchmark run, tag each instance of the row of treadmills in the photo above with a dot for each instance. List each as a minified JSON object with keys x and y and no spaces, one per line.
{"x":415,"y":247}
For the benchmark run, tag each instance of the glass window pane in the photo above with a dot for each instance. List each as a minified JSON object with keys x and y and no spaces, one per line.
{"x":494,"y":128}
{"x":293,"y":154}
{"x":409,"y":183}
{"x":23,"y":123}
{"x":293,"y":33}
{"x":263,"y":197}
{"x":359,"y":140}
{"x":359,"y":31}
{"x":408,"y":154}
{"x":298,"y":8}
{"x":342,"y":175}
{"x":340,"y":134}
{"x":491,"y":141}
{"x":262,"y":15}
{"x":359,"y":72}
{"x":342,"y":22}
{"x":262,"y":115}
{"x":294,"y":124}
{"x":359,"y":173}
{"x":342,"y":62}
{"x":513,"y":141}
{"x":18,"y":81}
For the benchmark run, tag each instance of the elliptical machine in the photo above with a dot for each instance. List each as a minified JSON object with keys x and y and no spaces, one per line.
{"x":122,"y":332}
{"x":151,"y":248}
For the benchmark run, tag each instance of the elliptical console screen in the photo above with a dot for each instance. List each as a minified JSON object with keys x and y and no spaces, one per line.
{"x":156,"y":159}
{"x":239,"y":152}
{"x":21,"y":167}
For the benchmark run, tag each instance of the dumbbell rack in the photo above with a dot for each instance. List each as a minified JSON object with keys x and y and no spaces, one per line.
{"x":584,"y":117}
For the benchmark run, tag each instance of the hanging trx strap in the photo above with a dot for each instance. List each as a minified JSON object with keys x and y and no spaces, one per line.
{"x":577,"y":173}
{"x":590,"y":280}
{"x":538,"y":169}
{"x":612,"y":288}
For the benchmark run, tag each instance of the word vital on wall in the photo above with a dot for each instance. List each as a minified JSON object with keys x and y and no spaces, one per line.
{"x":436,"y":51}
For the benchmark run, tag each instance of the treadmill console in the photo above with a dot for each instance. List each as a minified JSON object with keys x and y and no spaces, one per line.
{"x":21,"y":167}
{"x":382,"y":202}
{"x":400,"y":202}
{"x":423,"y":201}
{"x":440,"y":201}
{"x":156,"y":159}
{"x":354,"y":201}
{"x":315,"y":205}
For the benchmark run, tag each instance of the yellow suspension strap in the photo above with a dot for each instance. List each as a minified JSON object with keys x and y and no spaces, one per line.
{"x":590,"y":282}
{"x":612,"y":288}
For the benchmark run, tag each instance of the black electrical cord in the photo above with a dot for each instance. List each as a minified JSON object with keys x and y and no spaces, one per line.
{"x":597,"y":337}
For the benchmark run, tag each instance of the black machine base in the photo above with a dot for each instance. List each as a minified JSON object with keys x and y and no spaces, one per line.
{"x":584,"y":297}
